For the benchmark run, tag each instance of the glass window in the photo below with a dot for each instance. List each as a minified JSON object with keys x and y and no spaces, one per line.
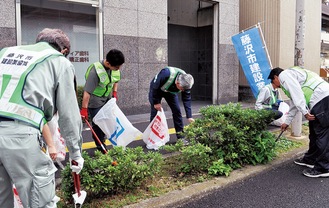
{"x":78,"y":21}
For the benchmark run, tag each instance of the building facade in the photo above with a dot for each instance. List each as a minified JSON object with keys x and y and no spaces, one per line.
{"x":194,"y":35}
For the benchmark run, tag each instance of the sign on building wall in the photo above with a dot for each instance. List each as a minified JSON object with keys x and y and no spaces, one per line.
{"x":79,"y":56}
{"x":253,"y":58}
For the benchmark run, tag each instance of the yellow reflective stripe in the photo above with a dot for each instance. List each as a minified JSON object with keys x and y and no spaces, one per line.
{"x":20,"y":110}
{"x":90,"y":145}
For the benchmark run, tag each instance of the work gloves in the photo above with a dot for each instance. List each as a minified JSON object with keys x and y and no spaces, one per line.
{"x":84,"y":113}
{"x":115,"y":95}
{"x":77,"y":164}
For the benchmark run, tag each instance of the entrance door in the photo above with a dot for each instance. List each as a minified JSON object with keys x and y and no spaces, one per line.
{"x":190,"y":43}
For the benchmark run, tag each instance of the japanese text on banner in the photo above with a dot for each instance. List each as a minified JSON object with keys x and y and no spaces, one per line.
{"x":253,"y":58}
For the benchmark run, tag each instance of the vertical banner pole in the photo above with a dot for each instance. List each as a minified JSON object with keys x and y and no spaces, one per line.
{"x":265,"y":47}
{"x":253,"y":56}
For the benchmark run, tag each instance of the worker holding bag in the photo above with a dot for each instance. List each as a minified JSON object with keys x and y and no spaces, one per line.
{"x":101,"y":84}
{"x":37,"y":81}
{"x":167,"y":84}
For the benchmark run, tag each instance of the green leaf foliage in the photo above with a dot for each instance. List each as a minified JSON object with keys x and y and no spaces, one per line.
{"x":236,"y":137}
{"x":118,"y":171}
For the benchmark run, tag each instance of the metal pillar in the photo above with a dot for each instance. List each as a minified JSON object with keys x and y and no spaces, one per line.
{"x":215,"y":94}
{"x":296,"y":125}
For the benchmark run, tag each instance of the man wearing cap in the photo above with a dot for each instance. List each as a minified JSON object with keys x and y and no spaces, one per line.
{"x":101,"y":84}
{"x":36,"y":81}
{"x":309,"y":94}
{"x":167,"y":84}
{"x":268,"y":98}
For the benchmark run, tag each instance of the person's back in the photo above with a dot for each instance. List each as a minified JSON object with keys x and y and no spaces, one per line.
{"x":309,"y":94}
{"x":167,"y":84}
{"x":37,"y":81}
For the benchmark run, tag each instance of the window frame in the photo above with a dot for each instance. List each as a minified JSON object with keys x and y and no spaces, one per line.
{"x":94,"y":3}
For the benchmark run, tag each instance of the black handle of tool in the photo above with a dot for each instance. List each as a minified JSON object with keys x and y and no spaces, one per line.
{"x":279,"y":136}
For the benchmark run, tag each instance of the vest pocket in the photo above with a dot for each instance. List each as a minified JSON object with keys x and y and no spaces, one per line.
{"x":43,"y":186}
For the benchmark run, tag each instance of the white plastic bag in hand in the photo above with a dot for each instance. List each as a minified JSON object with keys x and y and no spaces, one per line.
{"x":115,"y":124}
{"x":57,"y":138}
{"x":156,"y":133}
{"x":17,"y":200}
{"x":284,"y":108}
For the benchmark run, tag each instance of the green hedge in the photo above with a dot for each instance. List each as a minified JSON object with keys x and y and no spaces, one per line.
{"x":118,"y":171}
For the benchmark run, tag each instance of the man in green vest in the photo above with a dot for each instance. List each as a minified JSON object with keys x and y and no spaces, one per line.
{"x":36,"y":81}
{"x":309,"y":94}
{"x":268,"y":98}
{"x":101,"y":84}
{"x":167,"y":84}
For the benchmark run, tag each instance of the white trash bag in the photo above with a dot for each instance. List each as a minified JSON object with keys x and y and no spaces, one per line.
{"x":284,"y":108}
{"x":57,"y":138}
{"x":115,"y":124}
{"x":17,"y":200}
{"x":156,"y":133}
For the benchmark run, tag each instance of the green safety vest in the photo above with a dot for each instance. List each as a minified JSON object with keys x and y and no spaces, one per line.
{"x":273,"y":97}
{"x":174,"y":72}
{"x":308,"y":87}
{"x":15,"y":65}
{"x":105,"y":84}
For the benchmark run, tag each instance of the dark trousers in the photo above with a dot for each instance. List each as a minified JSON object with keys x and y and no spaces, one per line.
{"x":318,"y":152}
{"x":172,"y":100}
{"x":100,"y":134}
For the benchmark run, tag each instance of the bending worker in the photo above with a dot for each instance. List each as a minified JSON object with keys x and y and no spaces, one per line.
{"x":36,"y":81}
{"x":268,"y":98}
{"x":101,"y":84}
{"x":166,"y":84}
{"x":310,"y":95}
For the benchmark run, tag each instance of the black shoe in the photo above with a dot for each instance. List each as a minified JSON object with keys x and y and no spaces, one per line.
{"x":302,"y":162}
{"x":315,"y":173}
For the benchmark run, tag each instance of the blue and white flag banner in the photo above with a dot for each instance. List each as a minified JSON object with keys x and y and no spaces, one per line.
{"x":251,"y":52}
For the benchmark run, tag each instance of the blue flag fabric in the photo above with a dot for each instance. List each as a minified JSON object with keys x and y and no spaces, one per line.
{"x":253,"y":58}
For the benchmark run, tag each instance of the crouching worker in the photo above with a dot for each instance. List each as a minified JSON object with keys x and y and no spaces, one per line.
{"x":166,"y":84}
{"x":36,"y":81}
{"x":268,"y":97}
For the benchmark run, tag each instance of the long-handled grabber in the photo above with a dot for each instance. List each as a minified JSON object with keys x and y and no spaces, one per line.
{"x":79,"y":196}
{"x":277,"y":139}
{"x":95,"y":135}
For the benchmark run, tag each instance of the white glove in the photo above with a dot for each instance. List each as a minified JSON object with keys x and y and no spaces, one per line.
{"x":77,"y":168}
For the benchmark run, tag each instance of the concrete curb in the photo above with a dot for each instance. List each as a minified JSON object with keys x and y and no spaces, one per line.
{"x":196,"y":191}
